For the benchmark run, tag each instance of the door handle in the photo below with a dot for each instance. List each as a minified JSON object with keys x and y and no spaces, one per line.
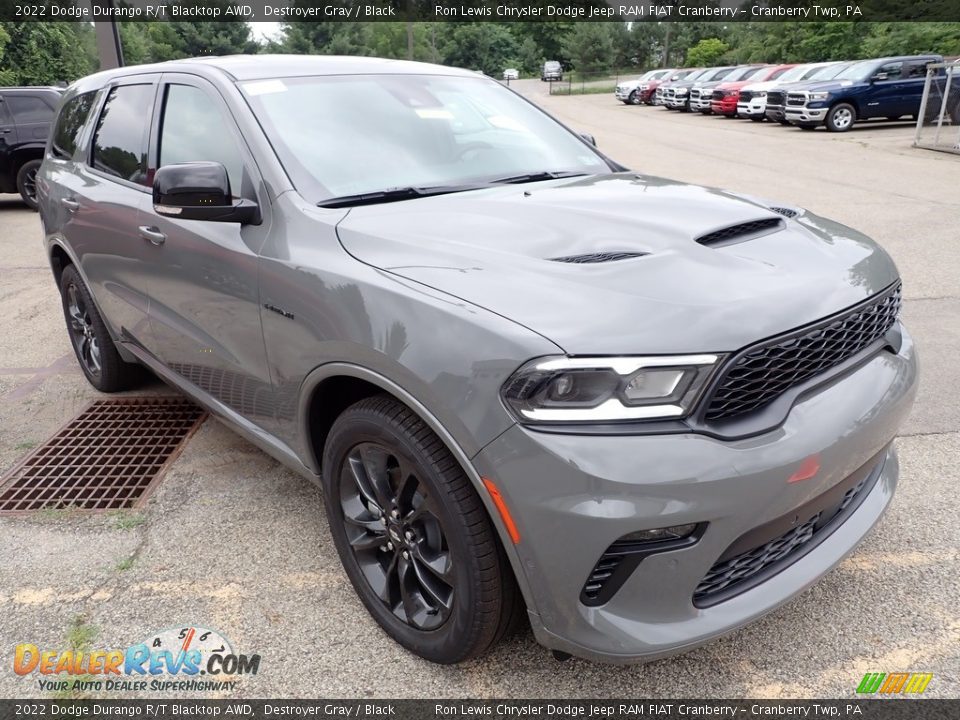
{"x":148,"y":232}
{"x":4,"y":131}
{"x":70,"y":204}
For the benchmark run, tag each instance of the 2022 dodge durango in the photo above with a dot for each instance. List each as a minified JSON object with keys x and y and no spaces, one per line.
{"x":532,"y":383}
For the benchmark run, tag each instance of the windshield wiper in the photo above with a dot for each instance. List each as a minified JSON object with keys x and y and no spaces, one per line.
{"x":536,"y":177}
{"x":392,"y":195}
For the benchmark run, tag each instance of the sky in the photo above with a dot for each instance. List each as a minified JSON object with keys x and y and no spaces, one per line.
{"x":265,"y":30}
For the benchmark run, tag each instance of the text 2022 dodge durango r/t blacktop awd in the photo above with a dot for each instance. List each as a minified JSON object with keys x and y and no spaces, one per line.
{"x":645,"y":412}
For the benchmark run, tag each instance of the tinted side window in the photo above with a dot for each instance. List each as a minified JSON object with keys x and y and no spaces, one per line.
{"x":72,"y":118}
{"x":892,"y":70}
{"x":916,"y":70}
{"x":194,"y":129}
{"x":5,"y":118}
{"x":29,"y":109}
{"x":120,"y":142}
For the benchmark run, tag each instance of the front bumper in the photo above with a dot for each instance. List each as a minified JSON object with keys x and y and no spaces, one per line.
{"x":677,"y":102}
{"x":572,"y":496}
{"x":756,"y":107}
{"x":623,"y":94}
{"x":727,"y":106}
{"x":701,"y":103}
{"x":775,"y":113}
{"x":802,"y":114}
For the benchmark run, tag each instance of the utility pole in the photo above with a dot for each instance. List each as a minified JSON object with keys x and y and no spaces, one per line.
{"x":107,"y":33}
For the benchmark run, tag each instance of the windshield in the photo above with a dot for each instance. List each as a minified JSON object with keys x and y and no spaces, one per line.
{"x":795,"y":73}
{"x":695,"y":75}
{"x":345,"y":135}
{"x":657,"y":74}
{"x":741,"y":74}
{"x":830,"y":71}
{"x":718,"y":74}
{"x":857,"y":71}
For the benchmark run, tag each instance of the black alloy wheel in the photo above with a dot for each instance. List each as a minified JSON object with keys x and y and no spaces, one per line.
{"x":396,"y":536}
{"x":414,"y":537}
{"x":82,"y":335}
{"x":98,"y":356}
{"x":27,"y":182}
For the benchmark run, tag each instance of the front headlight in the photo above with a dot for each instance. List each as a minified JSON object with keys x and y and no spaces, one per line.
{"x":607,"y":389}
{"x":818,"y":96}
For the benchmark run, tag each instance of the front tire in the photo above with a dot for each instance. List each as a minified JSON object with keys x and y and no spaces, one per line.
{"x":91,"y":341}
{"x":413,"y":535}
{"x":632,"y":99}
{"x":841,"y":117}
{"x":27,"y":182}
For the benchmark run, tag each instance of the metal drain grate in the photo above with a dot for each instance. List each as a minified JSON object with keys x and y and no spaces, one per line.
{"x":106,"y":458}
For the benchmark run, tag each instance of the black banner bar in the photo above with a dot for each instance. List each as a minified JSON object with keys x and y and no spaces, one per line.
{"x":898,"y":708}
{"x":481,"y":10}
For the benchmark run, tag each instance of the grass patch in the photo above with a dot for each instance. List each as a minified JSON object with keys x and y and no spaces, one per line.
{"x":55,"y":514}
{"x":26,"y":445}
{"x":125,"y":564}
{"x":80,"y":637}
{"x":584,"y":90}
{"x":127,"y":520}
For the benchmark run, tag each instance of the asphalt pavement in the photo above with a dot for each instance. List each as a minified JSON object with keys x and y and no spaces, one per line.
{"x":232,"y":541}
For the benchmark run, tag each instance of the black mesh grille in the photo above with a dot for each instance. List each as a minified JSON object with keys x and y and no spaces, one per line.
{"x":729,"y":576}
{"x":735,"y":233}
{"x":761,"y":374}
{"x":774,"y":98}
{"x":717,"y":95}
{"x":598,"y":257}
{"x":746,"y":95}
{"x":796,"y":98}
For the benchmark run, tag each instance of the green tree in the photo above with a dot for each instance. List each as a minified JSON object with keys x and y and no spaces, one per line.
{"x":6,"y":74}
{"x":911,"y":38}
{"x":45,"y":53}
{"x":590,"y":47}
{"x":706,"y":53}
{"x":489,"y":47}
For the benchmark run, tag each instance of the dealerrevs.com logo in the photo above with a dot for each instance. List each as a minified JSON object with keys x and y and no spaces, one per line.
{"x":177,"y":659}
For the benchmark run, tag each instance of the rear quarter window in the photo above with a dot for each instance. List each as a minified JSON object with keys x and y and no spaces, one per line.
{"x":120,"y":140}
{"x":70,"y":122}
{"x":28,"y":109}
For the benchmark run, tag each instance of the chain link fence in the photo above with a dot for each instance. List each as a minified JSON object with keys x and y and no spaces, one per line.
{"x":590,"y":83}
{"x":938,"y":124}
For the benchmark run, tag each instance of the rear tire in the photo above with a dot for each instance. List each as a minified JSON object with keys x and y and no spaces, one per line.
{"x":91,"y":341}
{"x":27,"y":182}
{"x":413,"y":535}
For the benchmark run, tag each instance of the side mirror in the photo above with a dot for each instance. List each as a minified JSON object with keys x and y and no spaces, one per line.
{"x":879,"y":76}
{"x":200,"y":191}
{"x":589,"y":138}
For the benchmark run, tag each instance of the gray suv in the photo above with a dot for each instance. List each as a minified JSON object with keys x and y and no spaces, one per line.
{"x":534,"y":386}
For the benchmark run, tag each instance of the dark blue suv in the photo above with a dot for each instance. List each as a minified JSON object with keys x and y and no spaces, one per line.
{"x":882,"y":88}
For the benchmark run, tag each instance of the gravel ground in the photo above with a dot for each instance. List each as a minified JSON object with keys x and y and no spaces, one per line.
{"x":231,"y":540}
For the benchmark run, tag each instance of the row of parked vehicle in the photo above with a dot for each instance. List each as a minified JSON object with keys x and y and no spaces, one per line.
{"x":834,"y":94}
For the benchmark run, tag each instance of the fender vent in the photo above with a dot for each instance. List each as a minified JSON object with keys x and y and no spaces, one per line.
{"x":741,"y":232}
{"x":598,"y":257}
{"x":786,"y":212}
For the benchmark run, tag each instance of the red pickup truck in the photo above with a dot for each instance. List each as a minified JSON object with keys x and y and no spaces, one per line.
{"x":726,"y":95}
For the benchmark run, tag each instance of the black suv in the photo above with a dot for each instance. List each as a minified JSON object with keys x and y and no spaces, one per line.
{"x":25,"y":117}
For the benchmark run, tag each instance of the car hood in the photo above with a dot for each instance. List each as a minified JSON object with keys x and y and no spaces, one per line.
{"x":496,"y":248}
{"x":821,"y":85}
{"x":708,"y":85}
{"x":756,"y":87}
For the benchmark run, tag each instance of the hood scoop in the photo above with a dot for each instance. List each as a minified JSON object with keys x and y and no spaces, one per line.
{"x":786,"y":212}
{"x":598,"y":257}
{"x":741,"y":232}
